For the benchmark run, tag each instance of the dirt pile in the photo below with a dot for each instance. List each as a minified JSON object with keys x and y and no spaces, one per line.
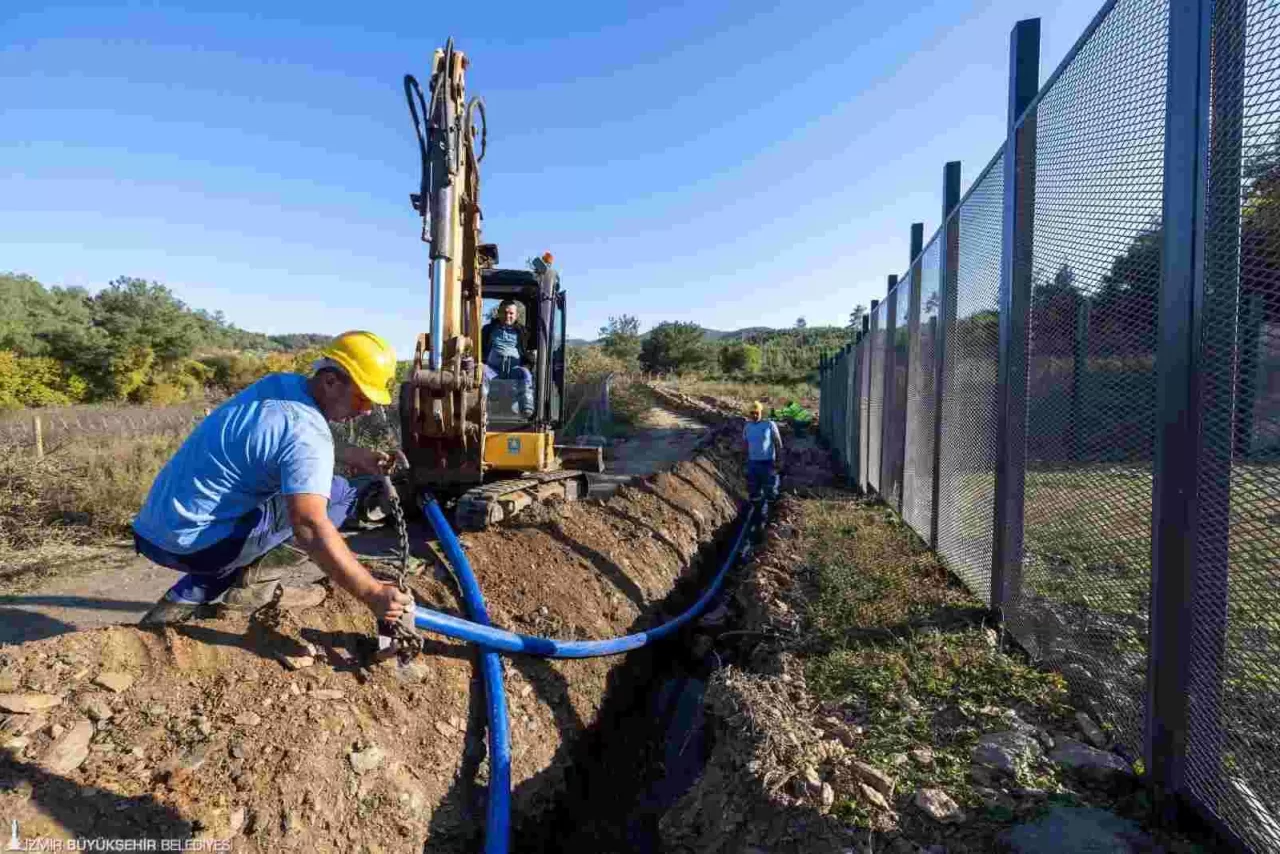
{"x":706,"y":408}
{"x":283,"y":736}
{"x":761,"y":789}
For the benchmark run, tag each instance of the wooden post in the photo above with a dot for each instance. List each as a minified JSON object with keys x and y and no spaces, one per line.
{"x":39,"y":437}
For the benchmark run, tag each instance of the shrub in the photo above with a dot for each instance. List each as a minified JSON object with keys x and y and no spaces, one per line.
{"x":37,"y":381}
{"x":740,"y":359}
{"x":677,"y":347}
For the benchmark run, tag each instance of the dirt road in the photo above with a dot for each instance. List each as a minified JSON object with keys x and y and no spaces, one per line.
{"x":662,"y":438}
{"x":119,"y":588}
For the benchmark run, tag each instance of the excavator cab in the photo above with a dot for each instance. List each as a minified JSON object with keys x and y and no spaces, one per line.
{"x":504,"y":394}
{"x":514,"y":442}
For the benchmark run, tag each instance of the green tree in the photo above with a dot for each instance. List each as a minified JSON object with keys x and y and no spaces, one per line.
{"x":137,"y":313}
{"x":855,"y":316}
{"x":621,"y":338}
{"x":740,"y":359}
{"x":674,"y":346}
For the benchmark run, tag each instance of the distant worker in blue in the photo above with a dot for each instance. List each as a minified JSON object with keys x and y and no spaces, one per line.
{"x":763,"y":444}
{"x":505,"y":346}
{"x":259,"y":470}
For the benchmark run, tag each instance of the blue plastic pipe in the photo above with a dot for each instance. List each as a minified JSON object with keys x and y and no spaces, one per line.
{"x":483,"y":634}
{"x":498,"y":822}
{"x":478,"y":630}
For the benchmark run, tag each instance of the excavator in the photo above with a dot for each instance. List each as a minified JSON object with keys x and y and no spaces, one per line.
{"x":464,"y":431}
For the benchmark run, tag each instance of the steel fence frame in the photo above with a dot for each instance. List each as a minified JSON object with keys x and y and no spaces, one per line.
{"x":1020,"y":416}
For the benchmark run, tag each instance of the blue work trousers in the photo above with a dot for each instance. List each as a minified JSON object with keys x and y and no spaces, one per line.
{"x":213,"y":569}
{"x":499,"y":367}
{"x":762,"y":480}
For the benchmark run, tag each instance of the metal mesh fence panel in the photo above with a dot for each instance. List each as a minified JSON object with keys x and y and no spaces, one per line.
{"x":1084,"y":602}
{"x":853,"y":420}
{"x":875,"y":395}
{"x":897,"y":360}
{"x":1233,"y":751}
{"x":917,"y":475}
{"x":864,"y":410}
{"x":966,"y":496}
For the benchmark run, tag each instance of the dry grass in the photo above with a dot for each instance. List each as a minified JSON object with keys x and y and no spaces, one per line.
{"x":82,"y":494}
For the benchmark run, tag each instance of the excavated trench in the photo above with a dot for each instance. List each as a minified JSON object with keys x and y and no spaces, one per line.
{"x":648,"y":745}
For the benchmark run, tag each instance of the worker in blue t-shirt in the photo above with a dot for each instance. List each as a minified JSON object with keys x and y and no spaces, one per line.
{"x":763,"y":445}
{"x":259,"y":470}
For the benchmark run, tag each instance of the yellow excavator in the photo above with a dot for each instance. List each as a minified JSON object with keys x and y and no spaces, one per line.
{"x":468,"y":432}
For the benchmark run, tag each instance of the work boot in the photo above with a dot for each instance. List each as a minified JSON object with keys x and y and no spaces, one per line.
{"x":255,"y":586}
{"x":371,"y":507}
{"x":167,"y":613}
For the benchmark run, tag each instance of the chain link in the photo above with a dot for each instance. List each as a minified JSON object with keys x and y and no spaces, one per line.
{"x":408,"y":640}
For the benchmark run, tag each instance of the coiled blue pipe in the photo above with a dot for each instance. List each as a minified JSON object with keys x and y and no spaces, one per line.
{"x":498,"y":821}
{"x":485,"y":635}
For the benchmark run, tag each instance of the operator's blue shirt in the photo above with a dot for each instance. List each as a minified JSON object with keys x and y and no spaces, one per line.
{"x":270,"y":438}
{"x":762,"y":438}
{"x":506,"y":341}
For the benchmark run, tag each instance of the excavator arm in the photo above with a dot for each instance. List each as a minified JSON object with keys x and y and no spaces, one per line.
{"x":442,"y":411}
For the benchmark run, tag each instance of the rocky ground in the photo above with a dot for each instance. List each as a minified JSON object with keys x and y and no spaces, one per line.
{"x":285,"y":736}
{"x":872,"y":705}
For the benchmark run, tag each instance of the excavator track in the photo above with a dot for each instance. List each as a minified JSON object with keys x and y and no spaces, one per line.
{"x":489,"y":504}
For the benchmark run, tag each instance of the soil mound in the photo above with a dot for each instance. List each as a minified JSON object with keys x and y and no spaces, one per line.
{"x":283,"y":735}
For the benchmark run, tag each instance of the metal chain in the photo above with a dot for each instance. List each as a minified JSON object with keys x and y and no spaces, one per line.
{"x":408,"y":640}
{"x":402,"y":531}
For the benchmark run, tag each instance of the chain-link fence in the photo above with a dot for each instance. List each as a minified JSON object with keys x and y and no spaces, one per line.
{"x":1079,"y":407}
{"x":52,"y":427}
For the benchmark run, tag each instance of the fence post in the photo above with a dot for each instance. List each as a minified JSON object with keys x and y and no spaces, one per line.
{"x":39,"y":437}
{"x":948,"y":274}
{"x":885,"y":397}
{"x":1015,"y":274}
{"x":1191,"y":383}
{"x":913,"y":353}
{"x":1015,"y":300}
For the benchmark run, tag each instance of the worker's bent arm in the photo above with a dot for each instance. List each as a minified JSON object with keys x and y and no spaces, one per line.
{"x":317,"y":536}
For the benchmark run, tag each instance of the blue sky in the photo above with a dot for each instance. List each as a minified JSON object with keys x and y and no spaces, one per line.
{"x":730,"y":163}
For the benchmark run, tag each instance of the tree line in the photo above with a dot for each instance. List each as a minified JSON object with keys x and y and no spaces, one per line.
{"x":682,"y":347}
{"x":132,"y":341}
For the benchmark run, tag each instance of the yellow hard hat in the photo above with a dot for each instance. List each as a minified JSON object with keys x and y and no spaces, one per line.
{"x":368,"y":359}
{"x":757,"y":408}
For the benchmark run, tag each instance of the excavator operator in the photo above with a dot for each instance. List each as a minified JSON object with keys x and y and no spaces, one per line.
{"x":259,"y":470}
{"x":504,"y":344}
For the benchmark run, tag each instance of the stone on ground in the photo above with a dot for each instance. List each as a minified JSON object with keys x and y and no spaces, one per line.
{"x":26,"y":704}
{"x":1089,"y":763}
{"x":1005,"y":750}
{"x":114,"y":680}
{"x":939,"y":806}
{"x":70,"y":750}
